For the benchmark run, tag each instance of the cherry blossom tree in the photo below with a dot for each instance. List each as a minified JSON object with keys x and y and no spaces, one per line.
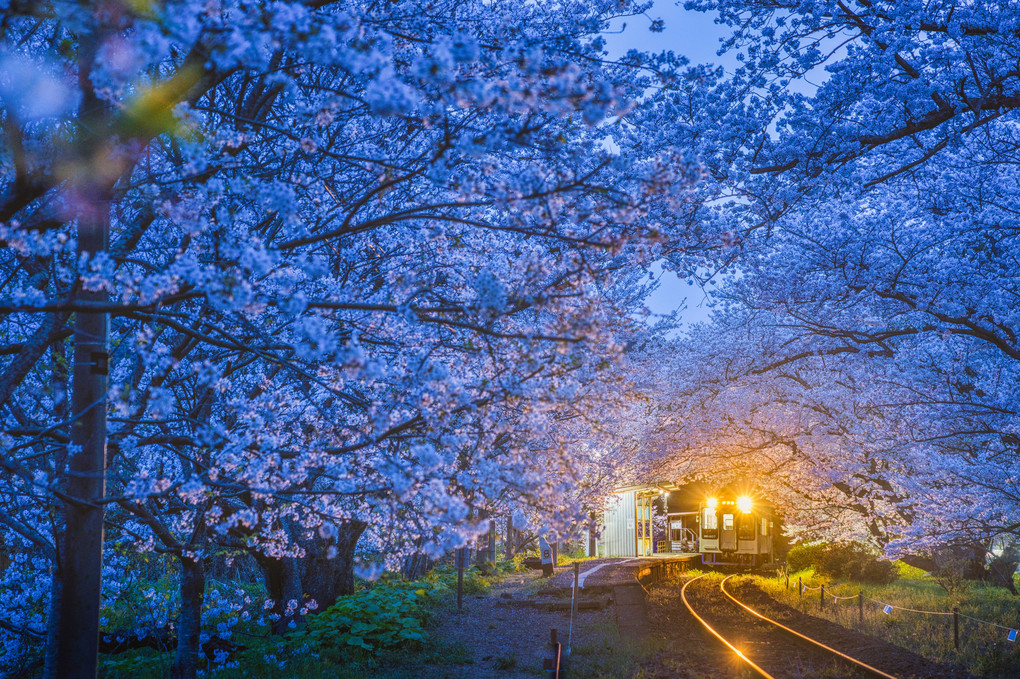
{"x":322,"y":268}
{"x":860,"y":164}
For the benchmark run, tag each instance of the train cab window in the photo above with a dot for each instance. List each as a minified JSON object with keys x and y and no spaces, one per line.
{"x":709,"y":524}
{"x":745,"y":528}
{"x":727,"y":522}
{"x":764,"y":527}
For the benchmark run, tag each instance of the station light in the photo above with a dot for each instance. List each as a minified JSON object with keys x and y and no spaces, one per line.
{"x":712,"y":503}
{"x":744,"y":504}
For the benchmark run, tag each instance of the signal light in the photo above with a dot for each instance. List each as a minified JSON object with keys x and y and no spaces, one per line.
{"x":744,"y":504}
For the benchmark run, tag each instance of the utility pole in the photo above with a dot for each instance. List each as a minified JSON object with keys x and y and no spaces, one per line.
{"x":80,"y":559}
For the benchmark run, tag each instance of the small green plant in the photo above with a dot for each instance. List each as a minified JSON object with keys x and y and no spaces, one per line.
{"x":389,"y":614}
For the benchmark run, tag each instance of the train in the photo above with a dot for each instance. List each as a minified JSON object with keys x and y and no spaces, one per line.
{"x":736,"y":530}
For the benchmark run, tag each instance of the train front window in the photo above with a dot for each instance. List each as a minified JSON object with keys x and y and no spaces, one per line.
{"x":764,"y":527}
{"x":745,"y":528}
{"x":709,"y":524}
{"x":727,"y":522}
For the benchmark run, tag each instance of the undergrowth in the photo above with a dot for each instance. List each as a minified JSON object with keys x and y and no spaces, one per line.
{"x":384,"y":624}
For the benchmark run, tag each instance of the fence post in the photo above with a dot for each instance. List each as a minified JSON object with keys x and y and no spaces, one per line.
{"x":821,"y":597}
{"x":956,"y":627}
{"x":860,"y":608}
{"x":800,"y":586}
{"x":461,"y":558}
{"x":787,"y":581}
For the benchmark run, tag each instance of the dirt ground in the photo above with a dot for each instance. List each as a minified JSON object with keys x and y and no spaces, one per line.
{"x":498,"y":634}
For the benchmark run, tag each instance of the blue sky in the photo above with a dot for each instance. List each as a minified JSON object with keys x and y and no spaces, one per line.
{"x":696,"y":36}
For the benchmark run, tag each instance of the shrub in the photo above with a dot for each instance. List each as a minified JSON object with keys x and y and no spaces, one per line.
{"x":854,"y":561}
{"x":842,"y":561}
{"x":804,"y":556}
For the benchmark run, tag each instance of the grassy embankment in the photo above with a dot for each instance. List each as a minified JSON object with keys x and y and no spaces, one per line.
{"x":984,"y":650}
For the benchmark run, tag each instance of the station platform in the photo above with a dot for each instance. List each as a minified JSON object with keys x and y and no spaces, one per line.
{"x":603,"y":575}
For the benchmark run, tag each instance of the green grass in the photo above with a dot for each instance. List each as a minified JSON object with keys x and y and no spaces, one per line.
{"x":605,"y":655}
{"x":984,"y":650}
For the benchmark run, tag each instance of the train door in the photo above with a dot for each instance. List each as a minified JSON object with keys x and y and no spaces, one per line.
{"x":728,"y":533}
{"x":644,"y":525}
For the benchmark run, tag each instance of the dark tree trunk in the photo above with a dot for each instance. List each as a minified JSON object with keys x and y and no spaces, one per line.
{"x":486,"y":544}
{"x":325,"y":576}
{"x":320,"y":575}
{"x":415,"y":565}
{"x":189,"y":624}
{"x":510,"y":542}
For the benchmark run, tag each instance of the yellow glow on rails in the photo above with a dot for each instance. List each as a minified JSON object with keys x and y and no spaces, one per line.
{"x":869,"y":668}
{"x":683,"y":595}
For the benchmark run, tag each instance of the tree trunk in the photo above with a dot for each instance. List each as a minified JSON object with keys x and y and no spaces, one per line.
{"x":320,"y":575}
{"x":327,"y":576}
{"x":189,"y":624}
{"x":483,"y":555}
{"x":415,"y":565}
{"x":510,"y":542}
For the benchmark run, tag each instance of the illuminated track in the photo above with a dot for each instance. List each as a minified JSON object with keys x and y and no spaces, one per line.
{"x":761,"y":672}
{"x":683,"y":595}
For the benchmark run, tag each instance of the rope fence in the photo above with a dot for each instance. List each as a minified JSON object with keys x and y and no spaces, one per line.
{"x":888,"y":608}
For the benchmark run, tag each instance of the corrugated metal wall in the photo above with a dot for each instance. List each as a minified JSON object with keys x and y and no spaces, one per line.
{"x":619,"y":534}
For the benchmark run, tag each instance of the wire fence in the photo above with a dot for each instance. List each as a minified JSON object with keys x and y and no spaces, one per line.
{"x":1011,"y":634}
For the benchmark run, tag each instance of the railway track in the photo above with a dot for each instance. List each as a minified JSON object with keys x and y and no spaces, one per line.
{"x":780,"y":652}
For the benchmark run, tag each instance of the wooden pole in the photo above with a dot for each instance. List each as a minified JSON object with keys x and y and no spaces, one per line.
{"x":800,"y":586}
{"x":461,"y":558}
{"x":821,"y":597}
{"x":491,"y":546}
{"x":956,"y":627}
{"x":860,"y":608}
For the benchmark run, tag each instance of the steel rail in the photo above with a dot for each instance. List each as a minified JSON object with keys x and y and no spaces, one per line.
{"x":873,"y":670}
{"x":683,"y":596}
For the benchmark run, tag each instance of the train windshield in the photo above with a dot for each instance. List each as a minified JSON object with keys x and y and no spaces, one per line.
{"x":709,"y":524}
{"x":745,"y":528}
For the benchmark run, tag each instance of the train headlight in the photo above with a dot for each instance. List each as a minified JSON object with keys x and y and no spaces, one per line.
{"x":744,"y":504}
{"x":712,"y":503}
